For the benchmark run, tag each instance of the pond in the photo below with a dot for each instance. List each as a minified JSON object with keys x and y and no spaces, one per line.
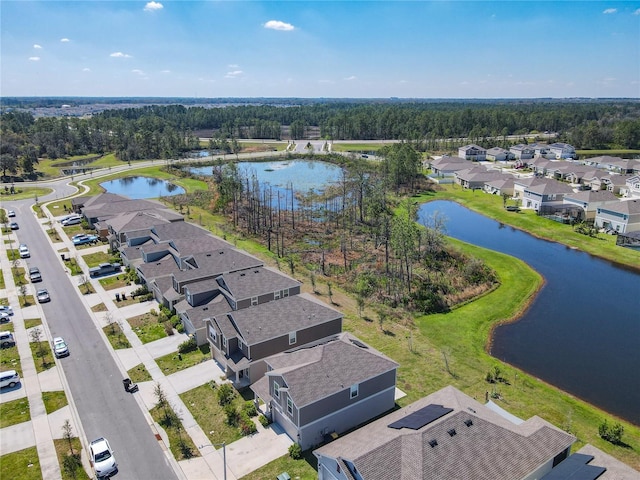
{"x":304,"y":175}
{"x":141,"y":187}
{"x":582,"y":332}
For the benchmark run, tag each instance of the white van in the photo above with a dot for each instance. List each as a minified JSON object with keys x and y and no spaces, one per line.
{"x":10,"y":379}
{"x":74,"y":219}
{"x":6,"y":339}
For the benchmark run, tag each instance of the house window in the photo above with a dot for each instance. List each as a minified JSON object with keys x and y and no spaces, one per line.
{"x":212,"y":333}
{"x":224,"y":341}
{"x":240,"y":343}
{"x":354,"y":391}
{"x":276,"y":295}
{"x":289,"y":406}
{"x":276,"y":389}
{"x":292,"y":338}
{"x":254,"y":301}
{"x":285,"y":292}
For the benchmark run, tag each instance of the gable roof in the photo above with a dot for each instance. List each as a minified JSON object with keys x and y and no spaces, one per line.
{"x":629,"y":207}
{"x":487,"y":446}
{"x":549,"y":187}
{"x":274,"y":319}
{"x":163,"y":267}
{"x":255,"y":281}
{"x":317,"y":370}
{"x":216,"y":262}
{"x":588,"y":196}
{"x":172,"y":231}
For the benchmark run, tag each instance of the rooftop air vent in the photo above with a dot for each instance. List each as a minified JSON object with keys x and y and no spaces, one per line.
{"x":468,"y":423}
{"x":205,"y":309}
{"x":208,"y":254}
{"x":433,"y":443}
{"x":452,"y":432}
{"x":242,"y":274}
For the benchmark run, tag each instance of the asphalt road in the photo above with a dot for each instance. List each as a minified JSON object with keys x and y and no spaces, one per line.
{"x":105,"y":409}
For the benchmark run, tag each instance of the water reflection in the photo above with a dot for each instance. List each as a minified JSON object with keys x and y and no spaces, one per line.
{"x":582,"y":333}
{"x":141,"y":187}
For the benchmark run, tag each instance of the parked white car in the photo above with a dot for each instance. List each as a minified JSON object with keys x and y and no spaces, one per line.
{"x":6,"y":309}
{"x":102,"y":458}
{"x":24,"y":251}
{"x":10,"y":379}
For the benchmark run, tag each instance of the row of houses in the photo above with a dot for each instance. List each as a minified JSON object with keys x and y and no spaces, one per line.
{"x":521,"y":151}
{"x":591,"y":190}
{"x":314,"y":380}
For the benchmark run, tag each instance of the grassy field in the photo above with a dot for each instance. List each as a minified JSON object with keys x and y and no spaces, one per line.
{"x":174,"y":362}
{"x":21,"y":465}
{"x":54,"y":401}
{"x":32,"y":322}
{"x":25,"y":192}
{"x":14,"y":412}
{"x":95,"y":259}
{"x":303,"y":469}
{"x":116,"y":338}
{"x":357,"y":147}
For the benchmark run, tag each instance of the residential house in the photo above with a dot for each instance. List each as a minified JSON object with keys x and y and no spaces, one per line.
{"x":78,"y":203}
{"x":562,"y":150}
{"x":542,"y":150}
{"x":590,"y":201}
{"x":501,"y":186}
{"x":473,"y":152}
{"x":447,"y":166}
{"x":229,"y":292}
{"x":632,"y":187}
{"x":240,"y":340}
{"x":475,"y":178}
{"x":497,"y":154}
{"x":103,"y":211}
{"x":544,"y":193}
{"x":522,"y":151}
{"x":327,"y":387}
{"x":446,"y":436}
{"x":623,"y":217}
{"x":116,"y":228}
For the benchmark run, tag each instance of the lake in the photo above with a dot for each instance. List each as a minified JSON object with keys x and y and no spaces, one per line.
{"x":582,"y":332}
{"x":138,"y":187}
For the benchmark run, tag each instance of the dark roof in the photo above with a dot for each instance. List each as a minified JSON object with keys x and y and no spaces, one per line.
{"x":175,"y":230}
{"x":217,"y":262}
{"x":198,"y":244}
{"x":253,"y":282}
{"x":217,"y":306}
{"x":575,"y":467}
{"x":132,"y":221}
{"x":163,"y":267}
{"x":270,"y":320}
{"x":629,"y":207}
{"x":592,"y":196}
{"x":471,"y":442}
{"x":325,"y":367}
{"x":111,"y":209}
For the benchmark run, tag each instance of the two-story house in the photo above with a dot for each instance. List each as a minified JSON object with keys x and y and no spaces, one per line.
{"x":326,"y":388}
{"x":623,"y":217}
{"x":240,"y":340}
{"x":562,"y":150}
{"x":473,"y":153}
{"x":522,"y":151}
{"x":543,"y":193}
{"x":446,"y":436}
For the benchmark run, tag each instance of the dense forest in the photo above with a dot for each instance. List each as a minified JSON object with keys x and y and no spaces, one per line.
{"x":169,"y":131}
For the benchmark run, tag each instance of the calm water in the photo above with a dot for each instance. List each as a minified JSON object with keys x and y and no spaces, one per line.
{"x":305,"y":175}
{"x":141,"y":187}
{"x":582,"y":333}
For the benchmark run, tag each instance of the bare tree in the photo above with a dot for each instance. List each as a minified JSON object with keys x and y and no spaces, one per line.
{"x":68,"y":434}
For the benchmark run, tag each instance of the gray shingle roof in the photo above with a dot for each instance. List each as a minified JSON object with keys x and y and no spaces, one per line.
{"x":111,"y":209}
{"x":592,"y":196}
{"x":166,"y":266}
{"x":629,"y":207}
{"x":490,"y":448}
{"x":198,"y":315}
{"x":175,"y":230}
{"x":126,"y":222}
{"x":315,"y":371}
{"x":198,"y":244}
{"x":274,"y":319}
{"x":217,"y":262}
{"x":256,"y":281}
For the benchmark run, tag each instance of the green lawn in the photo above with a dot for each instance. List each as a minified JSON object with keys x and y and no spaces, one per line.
{"x":139,"y":373}
{"x":21,"y":465}
{"x":95,"y":259}
{"x":174,"y":362}
{"x":42,"y":355}
{"x":101,"y":307}
{"x":304,"y":469}
{"x":2,"y":285}
{"x":25,"y":192}
{"x":10,"y":358}
{"x":14,"y":412}
{"x":115,"y":281}
{"x":147,"y":328}
{"x":54,"y":400}
{"x":32,"y":322}
{"x":63,"y":450}
{"x":175,"y":432}
{"x":116,"y":338}
{"x":202,"y":402}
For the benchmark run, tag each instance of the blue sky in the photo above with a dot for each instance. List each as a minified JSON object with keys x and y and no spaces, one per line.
{"x":419,"y":49}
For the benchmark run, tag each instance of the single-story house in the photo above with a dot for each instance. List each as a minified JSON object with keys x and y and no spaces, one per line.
{"x":501,"y":186}
{"x":326,"y":388}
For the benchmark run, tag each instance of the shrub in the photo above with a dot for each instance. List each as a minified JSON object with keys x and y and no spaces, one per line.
{"x":295,"y":451}
{"x":153,"y":312}
{"x":188,"y":345}
{"x":232,"y":414}
{"x":246,"y":424}
{"x":264,"y":421}
{"x":225,"y":394}
{"x":249,"y":408}
{"x":180,"y":328}
{"x":611,"y":433}
{"x":168,"y":329}
{"x":175,"y":320}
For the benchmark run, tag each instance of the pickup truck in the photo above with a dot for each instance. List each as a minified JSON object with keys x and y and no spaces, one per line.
{"x":84,"y":240}
{"x":104,"y":269}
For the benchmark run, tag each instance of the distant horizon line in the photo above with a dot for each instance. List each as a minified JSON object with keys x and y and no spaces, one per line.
{"x":9,"y":97}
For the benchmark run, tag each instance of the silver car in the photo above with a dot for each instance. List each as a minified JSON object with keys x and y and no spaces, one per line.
{"x":60,"y":348}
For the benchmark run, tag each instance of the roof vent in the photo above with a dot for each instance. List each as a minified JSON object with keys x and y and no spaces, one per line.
{"x":433,"y":443}
{"x":452,"y":432}
{"x":468,"y":423}
{"x":205,"y":309}
{"x":208,"y":254}
{"x":242,"y":274}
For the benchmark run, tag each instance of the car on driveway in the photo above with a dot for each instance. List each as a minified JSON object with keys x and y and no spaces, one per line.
{"x":10,"y":379}
{"x":60,"y":348}
{"x":35,"y":275}
{"x":43,"y":295}
{"x":24,"y":251}
{"x":6,"y":309}
{"x":14,"y":226}
{"x":85,"y":240}
{"x":102,"y":458}
{"x":4,"y":317}
{"x":11,"y":214}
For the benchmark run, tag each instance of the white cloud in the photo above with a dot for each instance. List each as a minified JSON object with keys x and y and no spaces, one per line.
{"x":120,"y":55}
{"x":278,"y":25}
{"x":352,"y":77}
{"x":637,"y":12}
{"x":86,"y":69}
{"x":65,"y":40}
{"x":153,"y":6}
{"x":233,"y":65}
{"x":233,"y":74}
{"x":34,"y":59}
{"x":165,"y":71}
{"x":36,"y":46}
{"x":609,"y":11}
{"x":137,"y":71}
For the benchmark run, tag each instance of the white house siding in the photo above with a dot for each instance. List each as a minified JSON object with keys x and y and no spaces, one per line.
{"x":615,"y":221}
{"x":328,"y":470}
